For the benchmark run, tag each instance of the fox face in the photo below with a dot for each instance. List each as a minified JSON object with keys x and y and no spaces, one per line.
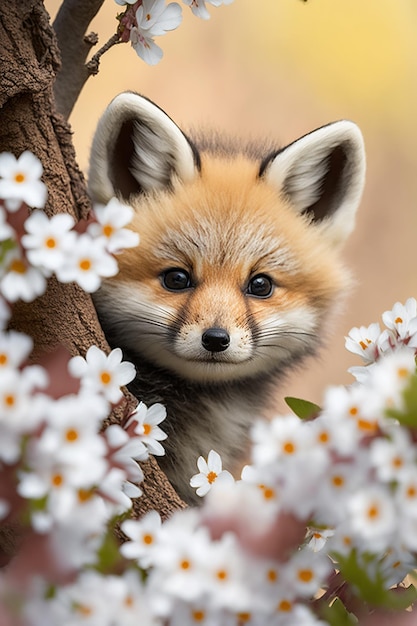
{"x":238,"y":269}
{"x":225,"y":284}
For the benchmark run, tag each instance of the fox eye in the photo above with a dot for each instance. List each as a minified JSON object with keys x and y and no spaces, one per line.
{"x":260,"y":286}
{"x":176,"y":279}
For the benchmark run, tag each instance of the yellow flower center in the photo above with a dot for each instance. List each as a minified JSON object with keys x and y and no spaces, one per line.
{"x":19,"y":177}
{"x":105,"y":378}
{"x":71,"y":435}
{"x":128,"y":601}
{"x":269,"y":493}
{"x":373,"y":511}
{"x":9,"y":400}
{"x":367,"y":425}
{"x":17,"y":266}
{"x":272,"y":575}
{"x":288,"y":447}
{"x":323,"y":437}
{"x":84,"y":495}
{"x":397,"y":462}
{"x":50,"y":243}
{"x":285,"y":606}
{"x":211,"y":477}
{"x":57,"y":480}
{"x":411,"y":492}
{"x":85,"y":265}
{"x":198,"y":616}
{"x":402,"y":372}
{"x":338,"y":481}
{"x":305,"y":575}
{"x":84,"y":610}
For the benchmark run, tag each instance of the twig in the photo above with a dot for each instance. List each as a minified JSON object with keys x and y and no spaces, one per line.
{"x":93,"y":65}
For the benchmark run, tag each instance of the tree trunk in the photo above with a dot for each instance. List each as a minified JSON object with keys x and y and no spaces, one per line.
{"x":65,"y":315}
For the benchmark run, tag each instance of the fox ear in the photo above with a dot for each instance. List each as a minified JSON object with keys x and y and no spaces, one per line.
{"x":137,"y":148}
{"x":322,"y":175}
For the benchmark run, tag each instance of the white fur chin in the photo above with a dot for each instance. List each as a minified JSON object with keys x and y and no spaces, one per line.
{"x":208,"y":370}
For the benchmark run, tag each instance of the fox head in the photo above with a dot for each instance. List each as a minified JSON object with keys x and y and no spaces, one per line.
{"x":238,"y":264}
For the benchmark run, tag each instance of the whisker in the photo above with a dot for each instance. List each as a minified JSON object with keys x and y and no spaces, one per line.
{"x":279,"y":334}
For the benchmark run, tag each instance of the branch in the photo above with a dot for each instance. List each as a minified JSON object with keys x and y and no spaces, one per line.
{"x":70,"y":25}
{"x":93,"y":65}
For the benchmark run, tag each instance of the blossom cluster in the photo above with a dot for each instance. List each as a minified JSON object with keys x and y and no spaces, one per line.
{"x":195,"y":579}
{"x":350,"y":473}
{"x":370,"y":342}
{"x":145,"y":19}
{"x":34,"y":247}
{"x":64,"y":480}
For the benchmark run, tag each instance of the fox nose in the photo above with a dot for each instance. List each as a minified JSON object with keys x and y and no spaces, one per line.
{"x":215,"y":339}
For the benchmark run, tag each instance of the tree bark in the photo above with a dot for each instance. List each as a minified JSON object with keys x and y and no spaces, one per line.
{"x":65,"y":315}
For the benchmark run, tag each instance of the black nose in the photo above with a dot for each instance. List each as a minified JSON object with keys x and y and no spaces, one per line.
{"x":215,"y":339}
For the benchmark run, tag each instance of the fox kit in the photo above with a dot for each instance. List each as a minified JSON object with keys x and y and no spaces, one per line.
{"x":236,"y":273}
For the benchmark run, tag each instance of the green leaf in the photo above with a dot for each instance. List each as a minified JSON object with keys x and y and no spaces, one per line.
{"x":5,"y":247}
{"x":373,"y":590}
{"x":407,"y":416}
{"x":304,"y":409}
{"x":108,"y":556}
{"x":337,"y":615}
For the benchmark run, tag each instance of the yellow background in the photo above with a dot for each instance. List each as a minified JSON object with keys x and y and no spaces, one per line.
{"x":282,"y":68}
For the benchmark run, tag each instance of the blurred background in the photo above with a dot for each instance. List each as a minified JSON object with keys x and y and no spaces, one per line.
{"x":283,"y":68}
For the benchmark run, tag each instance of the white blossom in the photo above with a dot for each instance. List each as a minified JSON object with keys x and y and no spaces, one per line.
{"x":6,"y":231}
{"x":307,"y":571}
{"x":20,"y":181}
{"x":103,"y":373}
{"x":143,"y":535}
{"x":147,"y":420}
{"x":364,"y":342}
{"x":111,"y":219}
{"x":49,"y":241}
{"x":88,"y":262}
{"x":392,"y":456}
{"x":198,"y":7}
{"x":402,"y":319}
{"x":153,"y":18}
{"x":210,"y":471}
{"x":15,"y":348}
{"x":21,"y":281}
{"x":372,"y":516}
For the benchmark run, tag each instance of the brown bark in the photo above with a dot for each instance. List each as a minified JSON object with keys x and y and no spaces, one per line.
{"x":29,"y":61}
